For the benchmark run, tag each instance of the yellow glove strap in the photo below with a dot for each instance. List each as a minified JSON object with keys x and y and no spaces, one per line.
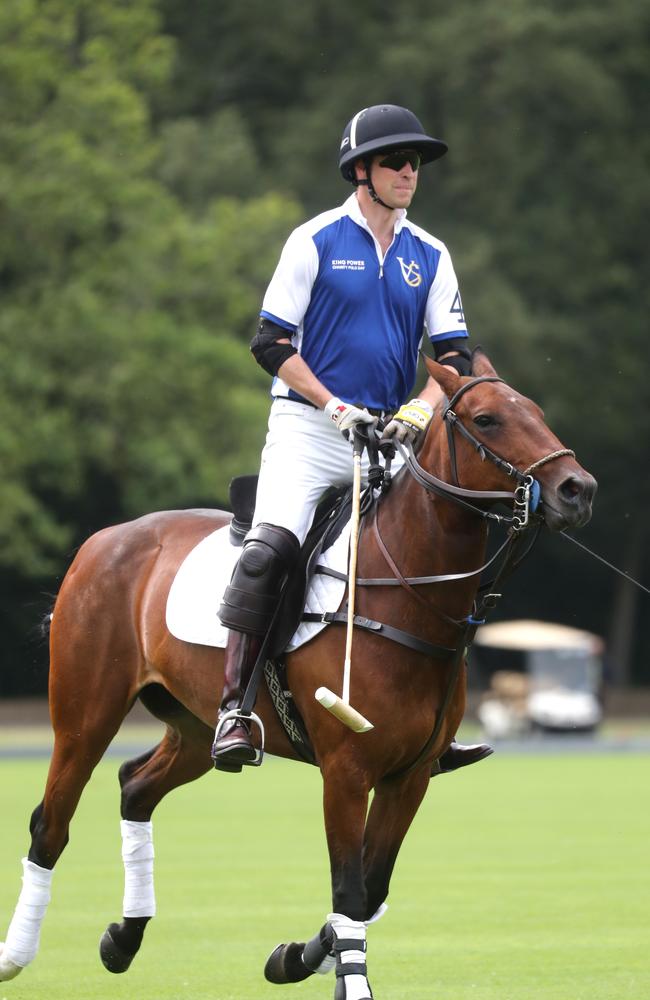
{"x":415,"y":414}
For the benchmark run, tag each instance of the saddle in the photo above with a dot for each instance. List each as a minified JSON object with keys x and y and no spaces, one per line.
{"x":331,"y":516}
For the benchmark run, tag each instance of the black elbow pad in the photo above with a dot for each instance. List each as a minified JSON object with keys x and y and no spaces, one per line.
{"x":461,"y":361}
{"x":266,"y":349}
{"x":462,"y":364}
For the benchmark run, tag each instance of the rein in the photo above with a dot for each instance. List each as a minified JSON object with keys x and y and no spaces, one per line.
{"x":517,"y":545}
{"x":524,"y":498}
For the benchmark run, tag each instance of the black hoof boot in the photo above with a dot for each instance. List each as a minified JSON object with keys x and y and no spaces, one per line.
{"x":120,"y":943}
{"x":285,"y":964}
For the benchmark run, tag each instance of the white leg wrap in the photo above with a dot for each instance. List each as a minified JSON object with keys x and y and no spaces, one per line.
{"x":24,"y":932}
{"x":377,"y":915}
{"x":138,"y":855}
{"x":329,"y":962}
{"x":352,"y":932}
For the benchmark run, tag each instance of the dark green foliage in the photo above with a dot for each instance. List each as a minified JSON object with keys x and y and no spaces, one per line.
{"x":153,"y":156}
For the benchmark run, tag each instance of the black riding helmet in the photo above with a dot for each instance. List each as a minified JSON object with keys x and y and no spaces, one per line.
{"x":384,"y":127}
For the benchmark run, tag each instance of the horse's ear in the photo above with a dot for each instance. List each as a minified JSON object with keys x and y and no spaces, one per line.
{"x":481,"y":364}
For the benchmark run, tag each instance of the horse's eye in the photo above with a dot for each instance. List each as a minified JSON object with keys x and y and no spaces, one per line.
{"x":484,"y":420}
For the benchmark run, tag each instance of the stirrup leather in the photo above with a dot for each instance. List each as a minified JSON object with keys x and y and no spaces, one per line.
{"x":248,"y":717}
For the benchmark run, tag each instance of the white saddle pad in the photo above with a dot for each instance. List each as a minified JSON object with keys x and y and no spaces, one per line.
{"x":198,"y":587}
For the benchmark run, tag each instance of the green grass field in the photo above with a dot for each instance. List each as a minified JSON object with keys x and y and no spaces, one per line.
{"x":523,"y":878}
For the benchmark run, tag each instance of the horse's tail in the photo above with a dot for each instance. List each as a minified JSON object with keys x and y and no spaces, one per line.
{"x":41,"y":630}
{"x":44,"y":626}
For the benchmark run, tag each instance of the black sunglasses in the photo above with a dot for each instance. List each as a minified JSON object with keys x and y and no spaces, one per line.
{"x":399,"y":158}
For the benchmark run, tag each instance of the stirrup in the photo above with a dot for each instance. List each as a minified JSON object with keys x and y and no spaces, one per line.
{"x":248,"y":717}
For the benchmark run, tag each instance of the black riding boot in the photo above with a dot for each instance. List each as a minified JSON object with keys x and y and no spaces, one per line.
{"x":247,"y":610}
{"x":457,"y":755}
{"x":234,"y":746}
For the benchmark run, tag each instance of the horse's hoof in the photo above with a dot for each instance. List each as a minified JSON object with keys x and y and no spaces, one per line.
{"x":285,"y":964}
{"x":8,"y":969}
{"x":113,"y":957}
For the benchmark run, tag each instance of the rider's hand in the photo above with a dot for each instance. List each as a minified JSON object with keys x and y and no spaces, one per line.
{"x":346,"y":416}
{"x":410,"y":421}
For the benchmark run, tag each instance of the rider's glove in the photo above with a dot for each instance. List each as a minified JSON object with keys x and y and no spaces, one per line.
{"x":410,"y":421}
{"x":346,"y":416}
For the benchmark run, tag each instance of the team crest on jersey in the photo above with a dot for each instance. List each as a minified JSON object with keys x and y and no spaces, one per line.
{"x":410,"y":273}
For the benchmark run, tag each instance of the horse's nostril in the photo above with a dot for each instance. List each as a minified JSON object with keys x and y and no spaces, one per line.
{"x":571,"y":488}
{"x":576,"y":488}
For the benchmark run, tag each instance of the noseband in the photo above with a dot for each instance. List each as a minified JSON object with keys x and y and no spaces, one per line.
{"x":524,"y":498}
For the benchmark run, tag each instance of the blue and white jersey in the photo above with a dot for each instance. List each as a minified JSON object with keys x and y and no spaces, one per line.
{"x":357,"y":317}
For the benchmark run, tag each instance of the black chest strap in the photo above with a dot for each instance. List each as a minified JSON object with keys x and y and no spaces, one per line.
{"x":386,"y":631}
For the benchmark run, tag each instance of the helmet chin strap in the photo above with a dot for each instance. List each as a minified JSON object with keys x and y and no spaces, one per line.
{"x":367,"y":182}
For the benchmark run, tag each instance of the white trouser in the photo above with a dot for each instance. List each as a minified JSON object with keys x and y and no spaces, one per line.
{"x":304,"y":454}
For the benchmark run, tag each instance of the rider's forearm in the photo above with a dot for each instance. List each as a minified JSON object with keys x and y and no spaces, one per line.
{"x":298,"y":376}
{"x":432,"y":393}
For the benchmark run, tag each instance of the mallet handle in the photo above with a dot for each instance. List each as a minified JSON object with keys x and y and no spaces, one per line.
{"x":343,"y":712}
{"x":352,"y":573}
{"x":340,"y":707}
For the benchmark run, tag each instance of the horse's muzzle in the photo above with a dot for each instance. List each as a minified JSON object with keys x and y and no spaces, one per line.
{"x":567,"y":504}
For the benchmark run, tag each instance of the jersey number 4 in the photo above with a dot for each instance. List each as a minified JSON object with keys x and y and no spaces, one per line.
{"x":457,"y":307}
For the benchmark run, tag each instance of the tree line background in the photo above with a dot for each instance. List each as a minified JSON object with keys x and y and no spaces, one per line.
{"x":155,"y":154}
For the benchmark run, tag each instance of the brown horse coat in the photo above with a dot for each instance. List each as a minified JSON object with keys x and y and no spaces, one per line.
{"x":110,"y":646}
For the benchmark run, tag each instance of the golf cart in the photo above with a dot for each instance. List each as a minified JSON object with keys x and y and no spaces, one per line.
{"x":553,"y":684}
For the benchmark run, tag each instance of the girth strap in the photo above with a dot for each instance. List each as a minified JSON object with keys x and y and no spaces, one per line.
{"x":379,"y":628}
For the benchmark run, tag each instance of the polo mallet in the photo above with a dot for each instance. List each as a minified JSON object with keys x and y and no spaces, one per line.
{"x":340,"y":707}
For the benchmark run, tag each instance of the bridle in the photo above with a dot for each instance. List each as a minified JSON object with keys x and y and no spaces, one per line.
{"x":525,"y":498}
{"x":526,"y":495}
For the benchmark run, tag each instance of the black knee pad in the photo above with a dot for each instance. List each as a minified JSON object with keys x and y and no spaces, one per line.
{"x":251,"y":597}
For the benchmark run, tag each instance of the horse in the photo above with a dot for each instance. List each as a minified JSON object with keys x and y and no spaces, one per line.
{"x":421,"y":545}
